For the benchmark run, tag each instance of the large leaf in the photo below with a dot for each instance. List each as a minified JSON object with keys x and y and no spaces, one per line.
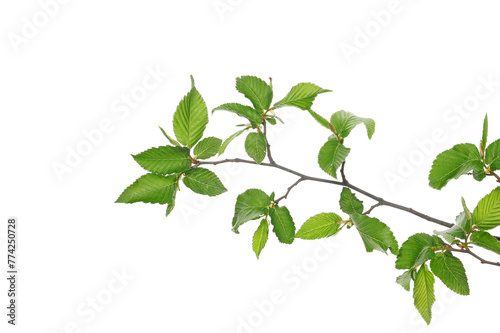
{"x":250,"y":205}
{"x":415,"y":251}
{"x":242,"y":111}
{"x":319,"y":226}
{"x":349,"y":204}
{"x":203,"y":181}
{"x":257,"y":91}
{"x":164,"y":160}
{"x":207,"y":148}
{"x":260,"y":237}
{"x":344,"y":122}
{"x":331,"y":156}
{"x":451,"y":271}
{"x":404,"y":280}
{"x":454,"y":163}
{"x":231,"y":138}
{"x":150,"y":188}
{"x":302,"y":96}
{"x":375,"y":234}
{"x":283,"y":225}
{"x":487,"y":213}
{"x":190,"y":118}
{"x":423,"y":292}
{"x":492,"y":156}
{"x":256,"y":147}
{"x":460,"y":230}
{"x":485,"y":240}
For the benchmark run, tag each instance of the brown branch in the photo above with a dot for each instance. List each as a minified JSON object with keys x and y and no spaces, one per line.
{"x":372,"y":208}
{"x":494,"y":175}
{"x":288,"y":190}
{"x":481,"y":260}
{"x":269,"y":155}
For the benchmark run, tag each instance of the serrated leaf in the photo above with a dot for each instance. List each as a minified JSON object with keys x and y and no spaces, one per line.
{"x":207,"y":148}
{"x":231,"y":138}
{"x":451,"y":272}
{"x":415,"y":251}
{"x":171,"y":205}
{"x":319,"y":226}
{"x":485,"y":240}
{"x":283,"y":225}
{"x":250,"y":205}
{"x":169,"y":138}
{"x":492,"y":155}
{"x":344,"y":122}
{"x":242,"y":111}
{"x":487,"y":213}
{"x":203,"y":181}
{"x":260,"y":237}
{"x":484,"y":139}
{"x":150,"y":188}
{"x":256,"y":147}
{"x":460,"y":230}
{"x":164,"y":160}
{"x":454,"y":163}
{"x":302,"y":96}
{"x":404,"y":280}
{"x":322,"y":121}
{"x":375,"y":234}
{"x":349,"y":204}
{"x":423,"y":293}
{"x":256,"y":90}
{"x":331,"y":156}
{"x":190,"y":118}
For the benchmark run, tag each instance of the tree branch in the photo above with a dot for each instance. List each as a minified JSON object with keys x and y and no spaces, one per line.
{"x":481,"y":260}
{"x":288,"y":190}
{"x":494,"y":175}
{"x":269,"y":155}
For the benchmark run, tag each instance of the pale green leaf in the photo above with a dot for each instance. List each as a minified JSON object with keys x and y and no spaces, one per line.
{"x":256,"y":147}
{"x":302,"y":96}
{"x":423,"y":292}
{"x":451,"y":272}
{"x":171,"y":205}
{"x":320,"y":226}
{"x":203,"y":181}
{"x":169,"y":138}
{"x":331,"y":156}
{"x":344,"y":122}
{"x":487,"y":213}
{"x":242,"y":110}
{"x":415,"y":251}
{"x":484,"y":139}
{"x":283,"y":225}
{"x":257,"y":91}
{"x":231,"y":138}
{"x":492,"y":155}
{"x":460,"y":230}
{"x":164,"y":160}
{"x":485,"y":240}
{"x":404,"y":280}
{"x":250,"y":205}
{"x":150,"y":188}
{"x":349,"y":204}
{"x":375,"y":234}
{"x":260,"y":237}
{"x":207,"y":148}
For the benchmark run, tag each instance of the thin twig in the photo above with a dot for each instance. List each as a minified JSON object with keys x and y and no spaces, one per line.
{"x":494,"y":175}
{"x":269,"y":155}
{"x":288,"y":190}
{"x":468,"y":251}
{"x":372,"y":208}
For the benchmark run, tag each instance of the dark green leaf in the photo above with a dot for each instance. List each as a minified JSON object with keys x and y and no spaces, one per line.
{"x":150,"y":188}
{"x":164,"y":160}
{"x":375,"y":234}
{"x":207,"y":148}
{"x":451,"y":271}
{"x":256,"y":147}
{"x":415,"y":251}
{"x":349,"y":204}
{"x":283,"y":225}
{"x":423,"y":293}
{"x":320,"y":226}
{"x":250,"y":205}
{"x":302,"y":96}
{"x":257,"y":91}
{"x":331,"y":156}
{"x":344,"y":122}
{"x":242,"y":111}
{"x":485,"y":240}
{"x":203,"y":181}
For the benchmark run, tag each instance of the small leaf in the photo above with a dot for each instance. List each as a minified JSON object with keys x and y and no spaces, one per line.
{"x":460,"y":230}
{"x":349,"y":204}
{"x":344,"y":122}
{"x":485,"y":240}
{"x":207,"y":148}
{"x":150,"y":188}
{"x":203,"y":181}
{"x":487,"y":213}
{"x":451,"y":271}
{"x":423,"y":293}
{"x":454,"y":163}
{"x":256,"y":147}
{"x":257,"y":91}
{"x":171,"y":205}
{"x":283,"y":225}
{"x":331,"y":156}
{"x":319,"y":226}
{"x":466,"y":209}
{"x":260,"y":237}
{"x":228,"y":140}
{"x":322,"y":121}
{"x":478,"y":175}
{"x":302,"y":96}
{"x":172,"y":141}
{"x":484,"y":140}
{"x":242,"y":110}
{"x":164,"y":160}
{"x":404,"y":280}
{"x":250,"y":205}
{"x":271,"y":120}
{"x":375,"y":234}
{"x":415,"y":251}
{"x":492,"y":155}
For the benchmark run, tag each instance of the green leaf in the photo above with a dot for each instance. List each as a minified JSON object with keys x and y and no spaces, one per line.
{"x":404,"y":280}
{"x":250,"y":205}
{"x":415,"y":251}
{"x":344,"y":122}
{"x":190,"y":118}
{"x":451,"y":271}
{"x":466,"y":209}
{"x":484,"y":140}
{"x":492,"y":155}
{"x":322,"y":121}
{"x":478,"y":175}
{"x":257,"y":91}
{"x":485,"y":240}
{"x":454,"y":163}
{"x":150,"y":188}
{"x":203,"y":181}
{"x":242,"y":111}
{"x":320,"y":226}
{"x":460,"y":230}
{"x":302,"y":96}
{"x":423,"y":293}
{"x":271,"y":120}
{"x":283,"y":225}
{"x":207,"y":148}
{"x":164,"y":160}
{"x":349,"y":204}
{"x":171,"y":206}
{"x":231,"y":138}
{"x":172,"y":141}
{"x":256,"y":147}
{"x":331,"y":156}
{"x":487,"y":213}
{"x":375,"y":234}
{"x":260,"y":237}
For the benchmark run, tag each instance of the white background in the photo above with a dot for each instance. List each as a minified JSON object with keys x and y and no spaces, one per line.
{"x":190,"y":273}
